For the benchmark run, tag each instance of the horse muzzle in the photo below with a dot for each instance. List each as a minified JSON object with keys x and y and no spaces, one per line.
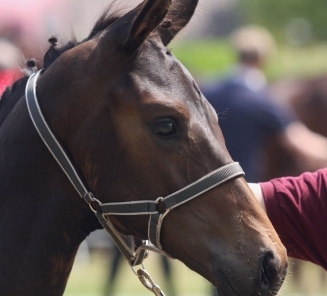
{"x":265,"y":280}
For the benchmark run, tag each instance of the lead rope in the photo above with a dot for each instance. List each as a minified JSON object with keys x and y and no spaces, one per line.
{"x":157,"y":210}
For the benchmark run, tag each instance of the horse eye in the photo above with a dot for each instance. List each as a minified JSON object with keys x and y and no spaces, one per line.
{"x":165,"y":127}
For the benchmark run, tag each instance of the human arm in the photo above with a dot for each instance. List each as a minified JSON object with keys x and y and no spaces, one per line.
{"x":297,"y":208}
{"x":293,"y":151}
{"x":308,"y":147}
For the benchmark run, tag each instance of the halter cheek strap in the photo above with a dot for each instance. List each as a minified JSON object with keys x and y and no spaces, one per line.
{"x":156,"y":209}
{"x":68,"y":167}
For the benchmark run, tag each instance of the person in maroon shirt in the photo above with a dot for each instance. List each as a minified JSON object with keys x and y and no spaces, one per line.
{"x":297,"y":208}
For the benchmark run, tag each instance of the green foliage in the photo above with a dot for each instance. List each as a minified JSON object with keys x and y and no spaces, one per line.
{"x":275,"y":15}
{"x":205,"y":58}
{"x":211,"y":58}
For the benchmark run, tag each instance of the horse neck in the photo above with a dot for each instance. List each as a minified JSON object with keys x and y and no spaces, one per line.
{"x":43,"y":221}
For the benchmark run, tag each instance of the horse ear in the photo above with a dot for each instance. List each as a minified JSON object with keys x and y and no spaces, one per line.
{"x":177,"y":18}
{"x":150,"y":14}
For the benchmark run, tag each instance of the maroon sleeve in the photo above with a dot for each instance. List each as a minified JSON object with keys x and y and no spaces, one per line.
{"x":297,"y":207}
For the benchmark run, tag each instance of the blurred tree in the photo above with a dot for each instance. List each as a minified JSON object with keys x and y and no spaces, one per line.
{"x":279,"y":15}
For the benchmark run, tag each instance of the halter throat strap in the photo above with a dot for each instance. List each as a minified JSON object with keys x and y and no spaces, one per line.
{"x":157,"y":209}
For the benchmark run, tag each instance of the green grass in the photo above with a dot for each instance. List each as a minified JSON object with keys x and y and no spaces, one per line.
{"x":208,"y":59}
{"x":88,"y":278}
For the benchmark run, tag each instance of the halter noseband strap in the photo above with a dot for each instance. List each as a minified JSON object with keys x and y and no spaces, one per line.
{"x":157,"y":209}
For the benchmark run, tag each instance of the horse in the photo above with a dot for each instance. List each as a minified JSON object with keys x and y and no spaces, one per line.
{"x":132,"y":124}
{"x":308,"y":98}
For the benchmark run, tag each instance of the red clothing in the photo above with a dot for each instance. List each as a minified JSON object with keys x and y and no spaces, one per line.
{"x":297,"y":207}
{"x":8,"y":77}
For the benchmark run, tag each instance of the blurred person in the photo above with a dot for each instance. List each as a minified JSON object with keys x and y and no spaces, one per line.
{"x":248,"y":116}
{"x":28,"y":23}
{"x":10,"y":56}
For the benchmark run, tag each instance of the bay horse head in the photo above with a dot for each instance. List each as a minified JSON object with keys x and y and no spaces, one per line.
{"x":137,"y":127}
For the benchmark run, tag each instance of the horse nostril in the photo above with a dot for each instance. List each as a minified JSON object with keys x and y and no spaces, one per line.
{"x":270,"y":271}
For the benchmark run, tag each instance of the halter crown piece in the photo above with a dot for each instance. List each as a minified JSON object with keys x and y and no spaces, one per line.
{"x":156,"y":209}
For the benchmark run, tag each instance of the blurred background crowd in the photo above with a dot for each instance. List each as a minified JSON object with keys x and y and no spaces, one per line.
{"x":263,"y":66}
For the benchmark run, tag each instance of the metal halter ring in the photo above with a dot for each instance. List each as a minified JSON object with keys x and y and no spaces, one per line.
{"x":161,"y":206}
{"x":89,"y":198}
